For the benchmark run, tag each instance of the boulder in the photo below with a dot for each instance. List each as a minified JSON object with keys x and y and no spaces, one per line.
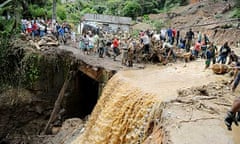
{"x":220,"y":68}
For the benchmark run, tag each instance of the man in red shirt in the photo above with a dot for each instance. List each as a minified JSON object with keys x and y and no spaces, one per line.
{"x":34,"y":30}
{"x":197,"y":48}
{"x":115,"y":48}
{"x":174,"y":33}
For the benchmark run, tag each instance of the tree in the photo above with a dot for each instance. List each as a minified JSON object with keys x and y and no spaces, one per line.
{"x":113,"y":7}
{"x":131,"y":9}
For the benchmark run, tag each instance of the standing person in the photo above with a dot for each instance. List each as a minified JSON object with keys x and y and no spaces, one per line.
{"x":107,"y":47}
{"x":223,"y":53}
{"x":85,"y":42}
{"x":42,"y":30}
{"x":146,"y":43}
{"x":23,"y":25}
{"x":163,"y":35}
{"x":208,"y":58}
{"x":170,"y":35}
{"x":60,"y":35}
{"x":96,"y":42}
{"x":101,"y":46}
{"x":91,"y":44}
{"x":197,"y":48}
{"x":34,"y":30}
{"x":182,"y":43}
{"x":174,"y":34}
{"x":189,"y":38}
{"x":131,"y":50}
{"x":236,"y":77}
{"x":73,"y":37}
{"x":199,"y":36}
{"x":233,"y":57}
{"x":231,"y":114}
{"x":29,"y":27}
{"x":177,"y":37}
{"x":203,"y":49}
{"x":124,"y":46}
{"x":115,"y":48}
{"x":206,"y":39}
{"x":169,"y":51}
{"x":213,"y":49}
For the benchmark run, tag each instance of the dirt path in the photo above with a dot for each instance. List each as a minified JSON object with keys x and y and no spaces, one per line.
{"x":165,"y":81}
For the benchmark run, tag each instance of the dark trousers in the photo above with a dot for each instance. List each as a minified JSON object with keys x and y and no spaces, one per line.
{"x":146,"y":48}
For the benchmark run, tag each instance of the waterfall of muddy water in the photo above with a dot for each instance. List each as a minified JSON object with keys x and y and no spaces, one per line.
{"x":122,"y":115}
{"x":132,"y":99}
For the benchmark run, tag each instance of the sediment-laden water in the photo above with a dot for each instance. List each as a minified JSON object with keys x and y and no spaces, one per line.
{"x":123,"y":114}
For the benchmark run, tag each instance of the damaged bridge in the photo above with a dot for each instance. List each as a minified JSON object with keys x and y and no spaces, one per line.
{"x":79,"y":94}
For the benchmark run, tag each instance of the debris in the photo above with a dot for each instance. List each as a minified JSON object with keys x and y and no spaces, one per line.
{"x":220,"y":68}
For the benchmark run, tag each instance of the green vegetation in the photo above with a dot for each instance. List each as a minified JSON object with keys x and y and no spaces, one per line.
{"x":30,"y":67}
{"x":74,"y":11}
{"x":237,"y":9}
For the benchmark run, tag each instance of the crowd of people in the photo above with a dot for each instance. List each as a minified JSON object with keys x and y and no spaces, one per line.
{"x":197,"y":44}
{"x":39,"y":27}
{"x":168,"y":42}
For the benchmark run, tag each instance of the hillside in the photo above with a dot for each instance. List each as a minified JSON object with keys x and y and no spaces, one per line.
{"x":207,"y":16}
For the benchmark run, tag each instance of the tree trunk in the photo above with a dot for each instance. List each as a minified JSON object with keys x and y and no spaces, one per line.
{"x":54,"y":14}
{"x":17,"y":11}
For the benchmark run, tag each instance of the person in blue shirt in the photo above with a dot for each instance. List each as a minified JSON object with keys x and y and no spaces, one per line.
{"x":170,"y":35}
{"x":224,"y":52}
{"x":61,"y":34}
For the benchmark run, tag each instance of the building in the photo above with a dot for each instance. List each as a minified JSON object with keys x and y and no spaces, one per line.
{"x":108,"y":23}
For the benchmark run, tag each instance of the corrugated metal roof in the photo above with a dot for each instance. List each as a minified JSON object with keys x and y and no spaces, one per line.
{"x":107,"y":19}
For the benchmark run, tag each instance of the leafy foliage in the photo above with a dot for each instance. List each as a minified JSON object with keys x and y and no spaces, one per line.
{"x":131,"y":8}
{"x":236,"y":13}
{"x":237,"y":9}
{"x":61,"y":12}
{"x":37,"y":11}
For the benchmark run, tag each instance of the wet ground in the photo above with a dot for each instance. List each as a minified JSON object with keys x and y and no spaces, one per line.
{"x":196,"y":101}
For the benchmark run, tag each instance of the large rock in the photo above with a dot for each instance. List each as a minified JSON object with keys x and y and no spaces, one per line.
{"x":220,"y":68}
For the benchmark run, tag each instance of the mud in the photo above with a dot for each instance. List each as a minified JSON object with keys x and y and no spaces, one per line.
{"x":23,"y":115}
{"x":197,"y":115}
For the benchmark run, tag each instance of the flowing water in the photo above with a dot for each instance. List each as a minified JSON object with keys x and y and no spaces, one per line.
{"x":122,"y":115}
{"x":132,"y":101}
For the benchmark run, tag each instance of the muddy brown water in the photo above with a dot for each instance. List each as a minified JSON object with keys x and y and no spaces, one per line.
{"x":235,"y":134}
{"x":132,"y":99}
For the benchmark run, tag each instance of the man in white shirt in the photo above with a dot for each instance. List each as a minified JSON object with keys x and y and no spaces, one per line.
{"x":169,"y":50}
{"x":146,"y":43}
